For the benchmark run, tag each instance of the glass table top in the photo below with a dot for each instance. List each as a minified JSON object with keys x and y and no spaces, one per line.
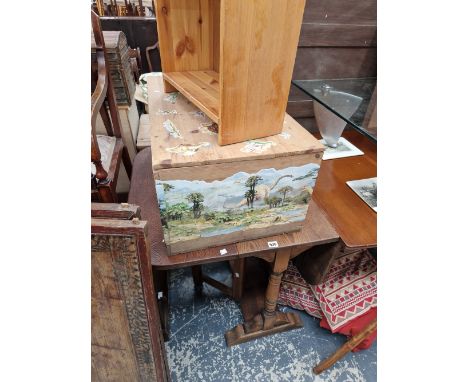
{"x":354,"y":100}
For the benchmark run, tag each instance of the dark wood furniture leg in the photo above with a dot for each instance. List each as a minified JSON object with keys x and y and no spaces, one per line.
{"x":161,"y":287}
{"x":238,"y":269}
{"x":106,"y":193}
{"x":197,"y":276}
{"x":127,"y":162}
{"x":315,"y":263}
{"x":346,"y":348}
{"x":269,"y":321}
{"x":148,"y":58}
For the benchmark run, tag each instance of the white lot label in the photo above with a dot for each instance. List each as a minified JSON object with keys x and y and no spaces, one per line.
{"x":223,"y":251}
{"x":272,"y":244}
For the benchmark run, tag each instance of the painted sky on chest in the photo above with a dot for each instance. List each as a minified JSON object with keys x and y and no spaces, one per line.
{"x":231,"y":190}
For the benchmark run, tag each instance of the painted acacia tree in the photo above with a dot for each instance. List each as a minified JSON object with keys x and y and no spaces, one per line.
{"x":196,"y":198}
{"x":251,"y":183}
{"x":250,"y":196}
{"x":176,"y":211}
{"x":284,"y":190}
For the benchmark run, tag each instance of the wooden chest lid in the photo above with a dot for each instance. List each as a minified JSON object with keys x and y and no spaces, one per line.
{"x":182,"y":136}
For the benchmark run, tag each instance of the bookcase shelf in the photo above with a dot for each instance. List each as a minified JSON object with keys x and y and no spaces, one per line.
{"x":200,"y":87}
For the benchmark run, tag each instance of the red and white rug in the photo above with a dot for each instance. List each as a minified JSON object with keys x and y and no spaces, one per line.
{"x":349,"y":289}
{"x":348,"y":292}
{"x":296,"y":293}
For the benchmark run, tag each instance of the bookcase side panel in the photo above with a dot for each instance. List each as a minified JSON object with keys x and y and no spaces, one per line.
{"x":215,"y":24}
{"x":259,"y":43}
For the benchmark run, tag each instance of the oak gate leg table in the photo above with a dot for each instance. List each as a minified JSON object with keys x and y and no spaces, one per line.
{"x":355,"y":222}
{"x":353,"y":219}
{"x":261,"y":318}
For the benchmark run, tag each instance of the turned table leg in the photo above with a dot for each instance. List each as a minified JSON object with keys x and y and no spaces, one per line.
{"x":269,"y":321}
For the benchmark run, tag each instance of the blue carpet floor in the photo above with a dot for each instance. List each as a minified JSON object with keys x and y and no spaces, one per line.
{"x":197,"y":350}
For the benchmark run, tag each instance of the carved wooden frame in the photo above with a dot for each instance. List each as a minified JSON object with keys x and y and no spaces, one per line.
{"x":125,"y":242}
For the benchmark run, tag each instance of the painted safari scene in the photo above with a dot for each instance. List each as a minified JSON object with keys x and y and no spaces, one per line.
{"x":194,"y":209}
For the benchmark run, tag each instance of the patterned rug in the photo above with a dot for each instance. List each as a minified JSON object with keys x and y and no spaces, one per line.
{"x":348,"y":292}
{"x":296,"y":293}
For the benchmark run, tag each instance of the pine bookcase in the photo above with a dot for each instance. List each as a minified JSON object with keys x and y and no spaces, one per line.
{"x":233,"y":59}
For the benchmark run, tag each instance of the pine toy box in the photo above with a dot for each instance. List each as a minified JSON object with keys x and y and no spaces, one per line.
{"x":211,"y":195}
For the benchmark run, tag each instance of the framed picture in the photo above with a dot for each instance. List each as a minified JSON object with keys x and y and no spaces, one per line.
{"x":366,"y":189}
{"x":343,"y":150}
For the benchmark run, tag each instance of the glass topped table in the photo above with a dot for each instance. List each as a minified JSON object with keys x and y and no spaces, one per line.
{"x":354,"y":100}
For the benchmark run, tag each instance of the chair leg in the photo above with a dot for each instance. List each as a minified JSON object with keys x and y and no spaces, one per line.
{"x":162,"y":294}
{"x":107,"y":194}
{"x":315,"y":263}
{"x":197,"y":276}
{"x":238,"y":267}
{"x":346,"y":348}
{"x":106,"y":120}
{"x":127,"y":162}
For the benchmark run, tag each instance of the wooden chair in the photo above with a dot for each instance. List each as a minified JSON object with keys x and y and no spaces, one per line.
{"x":152,"y":47}
{"x":148,"y":58}
{"x":107,"y":151}
{"x":135,"y":60}
{"x":126,"y":336}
